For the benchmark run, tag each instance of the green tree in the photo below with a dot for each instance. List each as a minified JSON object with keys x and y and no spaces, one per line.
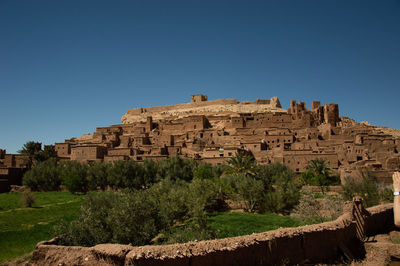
{"x":319,"y":174}
{"x":97,"y":175}
{"x":126,"y":174}
{"x":48,"y":152}
{"x":74,"y":175}
{"x":31,"y":149}
{"x":135,"y":220}
{"x":241,"y":163}
{"x":319,"y":166}
{"x":35,"y":154}
{"x":250,"y":190}
{"x":150,"y":169}
{"x":365,"y":186}
{"x":170,"y":197}
{"x":204,"y":171}
{"x":175,"y":168}
{"x":202,"y":198}
{"x":93,"y":225}
{"x":44,"y":176}
{"x":284,"y":193}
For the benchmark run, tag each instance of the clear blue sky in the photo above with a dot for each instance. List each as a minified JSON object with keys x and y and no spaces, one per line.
{"x":67,"y":67}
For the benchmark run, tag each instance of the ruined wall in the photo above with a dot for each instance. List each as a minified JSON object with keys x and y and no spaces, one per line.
{"x":319,"y":243}
{"x":331,"y":113}
{"x":199,"y":104}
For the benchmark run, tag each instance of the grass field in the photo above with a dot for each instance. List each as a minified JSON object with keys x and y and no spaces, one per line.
{"x":21,"y":228}
{"x":238,"y":224}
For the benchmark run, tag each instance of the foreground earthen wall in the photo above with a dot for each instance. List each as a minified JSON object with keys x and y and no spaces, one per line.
{"x":307,"y":244}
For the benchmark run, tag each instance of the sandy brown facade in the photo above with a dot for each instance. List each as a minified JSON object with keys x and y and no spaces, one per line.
{"x":213,"y":131}
{"x":12,"y":168}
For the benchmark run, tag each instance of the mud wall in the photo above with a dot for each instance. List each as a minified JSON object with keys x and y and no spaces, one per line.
{"x":308,"y":244}
{"x":164,"y":108}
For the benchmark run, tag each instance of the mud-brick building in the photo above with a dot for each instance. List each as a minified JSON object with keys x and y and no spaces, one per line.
{"x":12,"y":168}
{"x":213,"y":131}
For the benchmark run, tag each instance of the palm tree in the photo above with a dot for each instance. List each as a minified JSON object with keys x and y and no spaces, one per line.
{"x":31,"y":149}
{"x":321,"y":171}
{"x":319,"y":166}
{"x":241,"y":163}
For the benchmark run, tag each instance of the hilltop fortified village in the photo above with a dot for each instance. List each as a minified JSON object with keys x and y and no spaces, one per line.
{"x":213,"y":131}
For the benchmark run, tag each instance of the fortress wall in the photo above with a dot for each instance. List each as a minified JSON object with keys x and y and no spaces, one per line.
{"x":174,"y":107}
{"x":311,"y":244}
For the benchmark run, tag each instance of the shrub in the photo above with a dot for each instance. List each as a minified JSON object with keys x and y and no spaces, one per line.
{"x":310,"y":178}
{"x":188,"y":232}
{"x":43,"y":176}
{"x":170,"y":197}
{"x":130,"y":218}
{"x":308,"y":209}
{"x":97,"y":175}
{"x":75,"y":176}
{"x":93,"y":225}
{"x":285,"y":193}
{"x":135,"y":220}
{"x":386,"y":195}
{"x":126,"y":174}
{"x":273,"y":188}
{"x":136,"y":217}
{"x":314,"y":209}
{"x":202,"y":197}
{"x":204,"y":171}
{"x":150,"y":169}
{"x":250,"y":190}
{"x":319,"y":173}
{"x":175,"y":168}
{"x":28,"y":199}
{"x":367,"y":188}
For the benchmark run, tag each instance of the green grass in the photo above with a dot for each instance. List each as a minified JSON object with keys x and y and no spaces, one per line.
{"x":238,"y":224}
{"x":21,"y":228}
{"x":9,"y":201}
{"x":12,"y":201}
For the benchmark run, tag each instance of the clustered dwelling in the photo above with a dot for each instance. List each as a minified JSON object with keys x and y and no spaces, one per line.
{"x":12,"y":167}
{"x":213,"y":131}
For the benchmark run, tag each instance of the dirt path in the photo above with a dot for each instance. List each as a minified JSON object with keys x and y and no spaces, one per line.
{"x":381,"y":250}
